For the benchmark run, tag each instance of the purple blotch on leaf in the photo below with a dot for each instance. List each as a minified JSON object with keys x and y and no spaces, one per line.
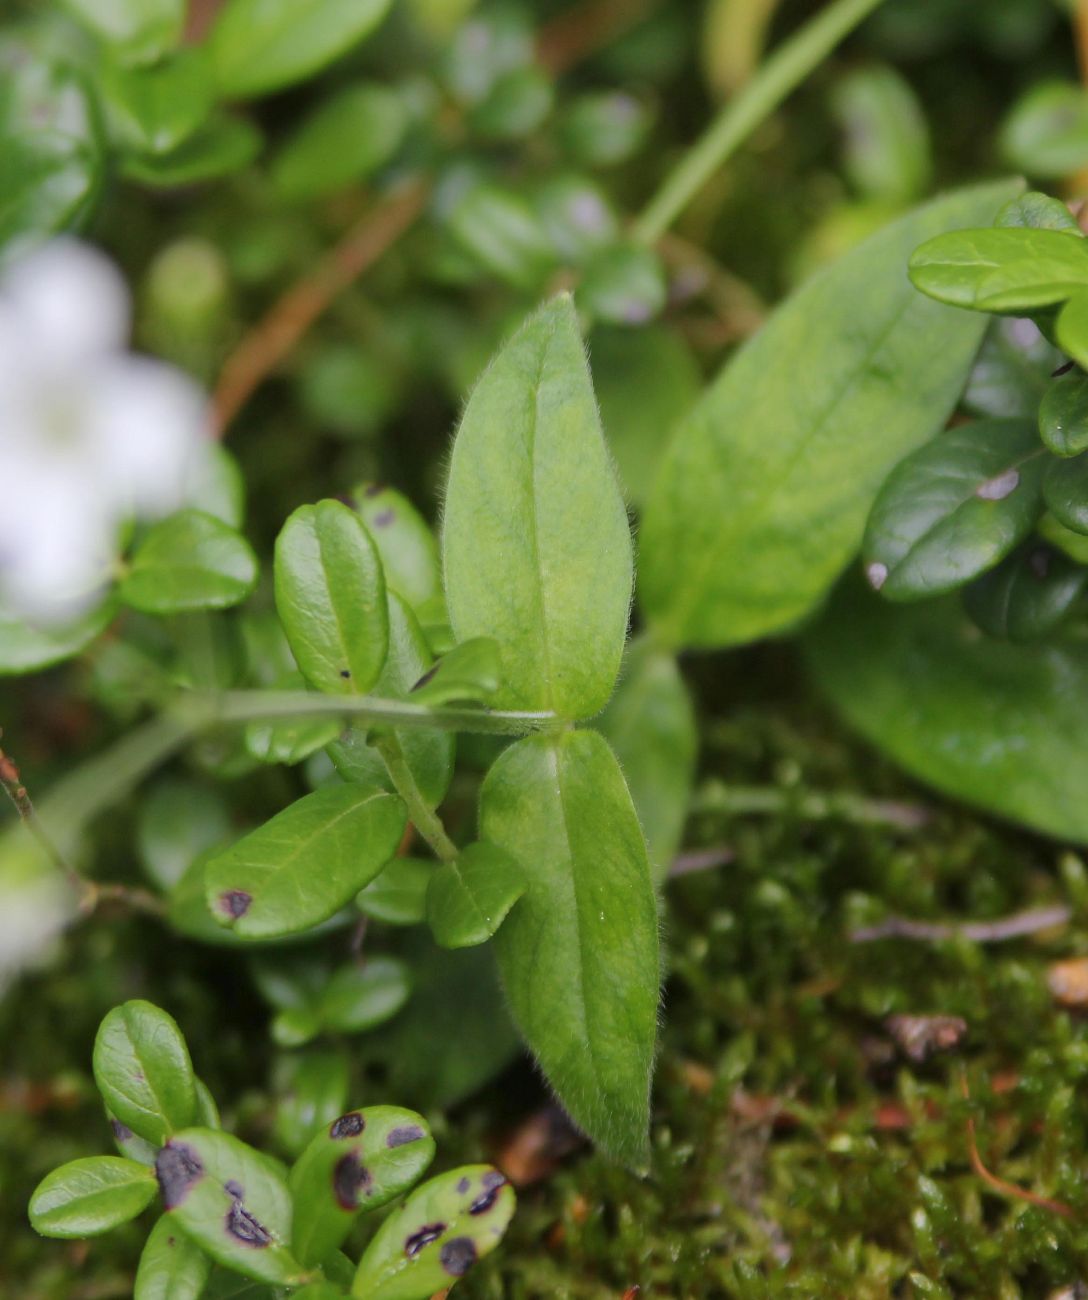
{"x":121,"y":1132}
{"x":458,"y":1255}
{"x":243,"y":1227}
{"x":425,"y":678}
{"x":463,"y":1185}
{"x":350,"y":1177}
{"x":235,"y":902}
{"x":347,"y":1126}
{"x":233,"y":1189}
{"x":428,"y":1233}
{"x":492,"y":1185}
{"x":177,"y":1167}
{"x":400,"y":1137}
{"x":384,"y":518}
{"x":373,"y":489}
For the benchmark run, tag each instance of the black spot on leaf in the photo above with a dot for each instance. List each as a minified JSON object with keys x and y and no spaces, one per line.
{"x":428,"y":1233}
{"x":373,"y":489}
{"x":487,"y":1197}
{"x":458,"y":1255}
{"x":345,"y":673}
{"x":463,"y":1185}
{"x":425,"y":678}
{"x":347,"y":1126}
{"x":177,"y":1167}
{"x":235,"y":902}
{"x":243,"y":1227}
{"x":350,"y":1177}
{"x":233,"y":1189}
{"x":384,"y":518}
{"x":400,"y":1137}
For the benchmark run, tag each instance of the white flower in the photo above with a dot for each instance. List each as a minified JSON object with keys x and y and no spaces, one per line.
{"x":90,"y":435}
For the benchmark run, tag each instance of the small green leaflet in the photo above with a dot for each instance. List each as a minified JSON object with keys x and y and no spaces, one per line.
{"x":1063,"y":414}
{"x":359,"y":997}
{"x":467,"y":900}
{"x":470,"y":673}
{"x":312,"y":1091}
{"x":143,"y":1071}
{"x":292,"y":739}
{"x":1001,"y":269}
{"x":399,"y":895}
{"x":404,"y":540}
{"x":189,"y":561}
{"x":171,"y":1266}
{"x":222,"y":146}
{"x":136,"y":31}
{"x":307,"y":862}
{"x":155,"y":109}
{"x":1072,"y":328}
{"x":535,"y":539}
{"x":85,"y":1198}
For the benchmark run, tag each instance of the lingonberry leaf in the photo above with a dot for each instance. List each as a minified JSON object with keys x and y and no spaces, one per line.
{"x":190,"y":561}
{"x":1028,"y":595}
{"x":1063,"y":414}
{"x":399,"y":895}
{"x":172,"y":1267}
{"x":85,"y":1198}
{"x":1001,"y":269}
{"x":405,"y":542}
{"x":143,"y":1071}
{"x":1065,"y":491}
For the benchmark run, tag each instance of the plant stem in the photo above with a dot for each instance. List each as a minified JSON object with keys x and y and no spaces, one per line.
{"x":783,"y":72}
{"x":737,"y":800}
{"x":423,"y":817}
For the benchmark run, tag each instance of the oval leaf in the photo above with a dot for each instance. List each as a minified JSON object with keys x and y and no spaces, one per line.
{"x":470,"y":673}
{"x":137,"y":31}
{"x":1063,"y":414}
{"x":358,"y":997}
{"x":404,"y":540}
{"x":535,"y":538}
{"x":1028,"y":595}
{"x":87,"y":1197}
{"x":1065,"y":491}
{"x":143,"y":1071}
{"x":399,"y":895}
{"x":27,"y":649}
{"x":469,"y":899}
{"x":1001,"y":269}
{"x":171,"y":1266}
{"x":188,"y":562}
{"x":1072,"y":328}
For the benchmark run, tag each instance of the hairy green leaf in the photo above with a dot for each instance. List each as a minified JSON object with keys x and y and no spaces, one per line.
{"x":190,"y":561}
{"x":469,"y":899}
{"x":142,"y":1069}
{"x":85,"y":1198}
{"x":171,"y":1266}
{"x":470,"y":673}
{"x":404,"y":540}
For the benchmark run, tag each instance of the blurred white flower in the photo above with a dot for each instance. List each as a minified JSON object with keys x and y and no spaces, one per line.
{"x":90,"y":435}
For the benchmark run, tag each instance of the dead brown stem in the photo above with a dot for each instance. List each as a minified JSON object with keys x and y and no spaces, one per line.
{"x":1000,"y":931}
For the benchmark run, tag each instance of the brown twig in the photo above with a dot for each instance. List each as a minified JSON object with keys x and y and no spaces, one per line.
{"x":17,"y":792}
{"x":997,"y":1184}
{"x":1000,"y":931}
{"x":583,"y":29}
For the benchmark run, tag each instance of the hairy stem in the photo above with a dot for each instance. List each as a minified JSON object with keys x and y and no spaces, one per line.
{"x":422,"y":816}
{"x":783,"y":72}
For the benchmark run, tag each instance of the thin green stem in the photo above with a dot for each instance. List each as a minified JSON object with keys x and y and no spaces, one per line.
{"x":783,"y":72}
{"x":422,"y":816}
{"x":806,"y":805}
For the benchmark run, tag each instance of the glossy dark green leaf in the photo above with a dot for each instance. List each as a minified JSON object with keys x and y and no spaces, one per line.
{"x":1012,"y":370}
{"x":1063,"y":414}
{"x":232,"y":1201}
{"x":954,"y":508}
{"x":346,"y":139}
{"x":85,"y":1198}
{"x":171,"y":1266}
{"x":399,"y":895}
{"x":222,"y":146}
{"x":293,"y":739}
{"x":404,"y":540}
{"x":153,"y":110}
{"x":1071,"y":327}
{"x":312,"y":1095}
{"x":1028,"y":595}
{"x":1001,"y":269}
{"x":579,"y":952}
{"x":360,"y":1162}
{"x":555,"y":596}
{"x":437,"y":1235}
{"x":360,"y":996}
{"x":1046,"y":134}
{"x":28,"y":649}
{"x":500,"y":231}
{"x":762,"y":497}
{"x":330,"y":594}
{"x":142,"y":1069}
{"x":307,"y":862}
{"x":623,"y":285}
{"x":260,"y":45}
{"x":1065,"y":491}
{"x":467,"y":900}
{"x":998,"y":725}
{"x":190,"y":561}
{"x":886,"y":141}
{"x":137,"y":31}
{"x":177,"y":821}
{"x":320,"y":1291}
{"x":470,"y":673}
{"x":650,"y":724}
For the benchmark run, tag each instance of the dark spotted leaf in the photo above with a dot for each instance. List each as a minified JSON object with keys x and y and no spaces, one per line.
{"x":307,"y":862}
{"x":231,"y":1200}
{"x":470,"y":673}
{"x":1063,"y":414}
{"x":143,"y":1071}
{"x":437,"y":1235}
{"x":1002,"y":269}
{"x":131,"y":1145}
{"x":360,"y":1162}
{"x":404,"y":540}
{"x":1028,"y":595}
{"x":87,"y":1197}
{"x":172,"y":1267}
{"x":189,"y":561}
{"x":467,"y":900}
{"x":399,"y":895}
{"x":1065,"y":491}
{"x":330,"y":594}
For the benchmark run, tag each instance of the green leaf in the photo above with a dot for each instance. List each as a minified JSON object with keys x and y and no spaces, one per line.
{"x":1012,"y":370}
{"x":1028,"y":595}
{"x":320,"y":1291}
{"x":650,"y":724}
{"x":1001,"y":269}
{"x":500,"y":231}
{"x":293,"y":739}
{"x":404,"y":540}
{"x":440,"y":1232}
{"x":190,"y":561}
{"x":27,"y":649}
{"x":347,"y":138}
{"x":143,"y":1071}
{"x":577,"y":216}
{"x":313,"y":1095}
{"x":536,"y":543}
{"x":1063,"y":414}
{"x":399,"y":895}
{"x":362,"y":1161}
{"x":998,"y":725}
{"x":1065,"y":491}
{"x":1046,"y":134}
{"x":231,"y":1201}
{"x":130,"y":1145}
{"x":177,"y":821}
{"x":216,"y":485}
{"x":469,"y":899}
{"x":1039,"y":212}
{"x":330,"y":595}
{"x":360,"y":997}
{"x":886,"y":141}
{"x":762,"y":497}
{"x":954,"y":508}
{"x":222,"y":146}
{"x":137,"y":31}
{"x":307,"y":862}
{"x":470,"y":673}
{"x":623,"y":285}
{"x":579,"y":953}
{"x":602,"y":128}
{"x":1071,"y":328}
{"x":85,"y":1198}
{"x":262,"y":45}
{"x":155,"y":109}
{"x":171,"y":1266}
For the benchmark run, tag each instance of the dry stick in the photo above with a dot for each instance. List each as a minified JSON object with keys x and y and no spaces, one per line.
{"x":999,"y":1185}
{"x":1000,"y":931}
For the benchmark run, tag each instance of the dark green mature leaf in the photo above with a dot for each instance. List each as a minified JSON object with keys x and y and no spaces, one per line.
{"x":231,"y":1201}
{"x":190,"y":561}
{"x":155,"y":109}
{"x":998,"y":725}
{"x":469,"y":899}
{"x":579,"y":953}
{"x":313,"y":1094}
{"x":470,"y":673}
{"x":142,"y":1069}
{"x":404,"y":540}
{"x":762,"y":497}
{"x":650,"y":724}
{"x":1001,"y":269}
{"x":1071,"y":328}
{"x":399,"y":895}
{"x":1065,"y":491}
{"x":85,"y":1198}
{"x":330,"y":594}
{"x":362,"y":1161}
{"x":555,"y":594}
{"x":347,"y":138}
{"x":261,"y":45}
{"x":1046,"y":134}
{"x":137,"y":31}
{"x":1028,"y":595}
{"x":440,"y":1232}
{"x":307,"y":862}
{"x":222,"y":146}
{"x":171,"y":1266}
{"x":27,"y":649}
{"x":1063,"y":414}
{"x":1012,"y":370}
{"x":954,"y":508}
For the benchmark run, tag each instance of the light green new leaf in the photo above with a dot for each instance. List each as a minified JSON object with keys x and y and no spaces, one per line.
{"x":954,"y":508}
{"x":143,"y":1071}
{"x":650,"y":724}
{"x":579,"y":952}
{"x":27,"y":649}
{"x":330,"y":594}
{"x":404,"y":540}
{"x":998,"y":725}
{"x":153,"y":110}
{"x":171,"y":1266}
{"x":221,"y":147}
{"x":1071,"y":328}
{"x":470,"y":673}
{"x":1063,"y":414}
{"x":440,"y":1232}
{"x":136,"y":31}
{"x":763,"y":494}
{"x":189,"y":561}
{"x":359,"y":1163}
{"x":399,"y":895}
{"x":307,"y":862}
{"x":85,"y":1198}
{"x":260,"y":45}
{"x":536,"y":544}
{"x":1001,"y":269}
{"x":1065,"y":491}
{"x":232,"y":1201}
{"x":469,"y":899}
